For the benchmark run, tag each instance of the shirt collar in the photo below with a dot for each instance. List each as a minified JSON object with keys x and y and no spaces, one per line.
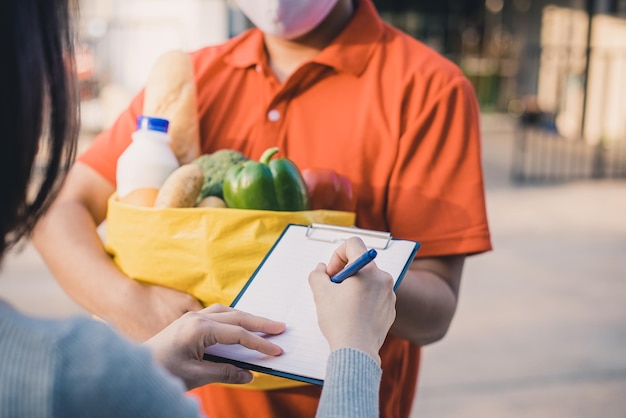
{"x":249,"y":51}
{"x":350,"y":51}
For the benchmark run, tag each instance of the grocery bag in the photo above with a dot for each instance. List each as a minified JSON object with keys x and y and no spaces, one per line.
{"x":209,"y":253}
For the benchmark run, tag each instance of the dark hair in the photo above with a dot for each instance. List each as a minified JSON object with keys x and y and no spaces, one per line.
{"x":38,"y":111}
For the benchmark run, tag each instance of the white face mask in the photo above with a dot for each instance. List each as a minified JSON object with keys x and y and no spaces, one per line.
{"x":287,"y":19}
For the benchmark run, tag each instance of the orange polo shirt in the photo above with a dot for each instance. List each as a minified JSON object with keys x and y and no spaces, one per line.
{"x":376,"y":106}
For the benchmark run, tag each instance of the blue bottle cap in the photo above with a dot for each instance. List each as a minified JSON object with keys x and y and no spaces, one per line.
{"x":152,"y":124}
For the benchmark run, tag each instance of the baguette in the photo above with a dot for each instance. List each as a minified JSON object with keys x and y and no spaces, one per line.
{"x":170,"y":93}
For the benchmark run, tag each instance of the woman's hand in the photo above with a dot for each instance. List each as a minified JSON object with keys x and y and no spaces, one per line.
{"x":180,"y":347}
{"x":358,"y":312}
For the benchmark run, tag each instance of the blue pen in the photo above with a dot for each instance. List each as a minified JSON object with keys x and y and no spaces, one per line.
{"x":353,"y":268}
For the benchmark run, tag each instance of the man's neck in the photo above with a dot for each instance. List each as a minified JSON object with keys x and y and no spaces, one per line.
{"x":285,"y":56}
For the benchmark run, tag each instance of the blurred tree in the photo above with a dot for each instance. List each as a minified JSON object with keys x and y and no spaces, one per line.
{"x":438,"y":24}
{"x":429,"y":7}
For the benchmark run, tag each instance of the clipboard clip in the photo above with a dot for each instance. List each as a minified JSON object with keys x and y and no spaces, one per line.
{"x":333,"y":233}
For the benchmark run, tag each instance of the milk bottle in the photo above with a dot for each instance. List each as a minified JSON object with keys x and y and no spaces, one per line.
{"x":147,"y":162}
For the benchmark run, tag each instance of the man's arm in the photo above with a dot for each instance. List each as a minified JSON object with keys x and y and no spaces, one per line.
{"x":68,"y":241}
{"x":427,"y":299}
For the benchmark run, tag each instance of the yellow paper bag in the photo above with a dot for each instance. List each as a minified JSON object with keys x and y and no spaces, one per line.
{"x":209,"y":253}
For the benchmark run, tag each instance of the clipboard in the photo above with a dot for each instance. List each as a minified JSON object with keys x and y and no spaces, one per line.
{"x":279,"y":290}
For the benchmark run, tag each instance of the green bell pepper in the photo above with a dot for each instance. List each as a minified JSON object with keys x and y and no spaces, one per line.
{"x":266,"y":185}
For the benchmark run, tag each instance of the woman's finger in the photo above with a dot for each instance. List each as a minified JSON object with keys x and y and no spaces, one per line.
{"x":348,"y":250}
{"x":248,"y":321}
{"x":223,"y":373}
{"x":223,"y":333}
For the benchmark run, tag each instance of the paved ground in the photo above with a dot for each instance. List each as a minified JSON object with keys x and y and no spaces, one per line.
{"x":540,"y":330}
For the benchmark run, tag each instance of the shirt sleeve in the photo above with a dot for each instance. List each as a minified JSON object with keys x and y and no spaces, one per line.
{"x":436,"y":190}
{"x":351,"y":388}
{"x":102,"y":375}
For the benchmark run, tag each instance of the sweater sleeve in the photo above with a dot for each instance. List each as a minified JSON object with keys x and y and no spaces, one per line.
{"x":351,"y":387}
{"x":103,"y":375}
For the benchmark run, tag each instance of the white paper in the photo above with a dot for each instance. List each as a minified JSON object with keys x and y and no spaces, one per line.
{"x":280,"y":291}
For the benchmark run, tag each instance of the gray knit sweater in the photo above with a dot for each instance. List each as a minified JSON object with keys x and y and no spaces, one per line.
{"x":81,"y":368}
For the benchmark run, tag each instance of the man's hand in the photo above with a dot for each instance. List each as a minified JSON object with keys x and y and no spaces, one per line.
{"x":180,"y":347}
{"x":160,"y":306}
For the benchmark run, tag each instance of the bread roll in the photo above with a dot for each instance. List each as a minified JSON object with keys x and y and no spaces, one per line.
{"x":141,"y":197}
{"x":181,"y":189}
{"x":171,"y":94}
{"x":211,"y":202}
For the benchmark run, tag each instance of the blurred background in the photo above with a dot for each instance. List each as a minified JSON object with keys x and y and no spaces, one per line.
{"x":541,"y":325}
{"x":556,"y":67}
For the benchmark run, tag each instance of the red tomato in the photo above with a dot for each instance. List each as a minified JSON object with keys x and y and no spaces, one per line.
{"x":329,"y":190}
